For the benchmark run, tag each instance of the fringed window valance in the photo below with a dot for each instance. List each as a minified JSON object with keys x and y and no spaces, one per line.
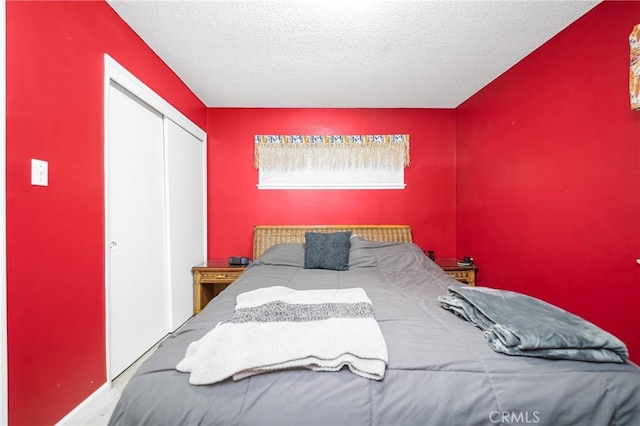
{"x":634,"y":70}
{"x":331,"y":152}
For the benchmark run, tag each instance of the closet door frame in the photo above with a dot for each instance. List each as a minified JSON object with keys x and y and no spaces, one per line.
{"x":114,"y":72}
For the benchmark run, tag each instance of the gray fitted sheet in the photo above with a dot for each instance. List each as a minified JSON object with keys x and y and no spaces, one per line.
{"x":440,"y":372}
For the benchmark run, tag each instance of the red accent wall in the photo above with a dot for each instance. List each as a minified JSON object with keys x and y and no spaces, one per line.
{"x":548,"y":175}
{"x":545,"y":194}
{"x":236,"y":205}
{"x":55,"y":234}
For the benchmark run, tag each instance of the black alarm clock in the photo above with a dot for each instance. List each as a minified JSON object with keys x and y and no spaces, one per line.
{"x":238,"y":261}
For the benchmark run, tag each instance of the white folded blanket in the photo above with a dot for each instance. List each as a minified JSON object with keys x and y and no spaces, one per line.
{"x":276,"y":328}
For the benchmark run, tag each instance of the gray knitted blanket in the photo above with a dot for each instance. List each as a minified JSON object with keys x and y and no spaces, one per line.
{"x":516,"y":324}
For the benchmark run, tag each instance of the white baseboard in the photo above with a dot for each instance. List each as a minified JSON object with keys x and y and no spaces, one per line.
{"x":79,"y":415}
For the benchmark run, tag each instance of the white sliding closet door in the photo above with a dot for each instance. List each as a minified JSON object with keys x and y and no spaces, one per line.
{"x":137,"y":260}
{"x":155,"y":210}
{"x":187,"y":194}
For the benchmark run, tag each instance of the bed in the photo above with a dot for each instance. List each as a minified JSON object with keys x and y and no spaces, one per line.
{"x":440,"y":370}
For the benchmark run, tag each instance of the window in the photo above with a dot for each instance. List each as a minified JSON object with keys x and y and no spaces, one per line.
{"x":331,"y":161}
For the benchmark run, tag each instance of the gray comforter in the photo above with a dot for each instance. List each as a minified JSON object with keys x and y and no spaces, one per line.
{"x":440,"y":369}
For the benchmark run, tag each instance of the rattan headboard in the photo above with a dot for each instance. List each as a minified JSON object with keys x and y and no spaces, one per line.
{"x":265,"y":236}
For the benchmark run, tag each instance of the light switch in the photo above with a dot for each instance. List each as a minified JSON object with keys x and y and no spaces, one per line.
{"x":39,"y":172}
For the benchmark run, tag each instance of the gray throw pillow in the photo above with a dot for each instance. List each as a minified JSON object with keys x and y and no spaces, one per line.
{"x":327,"y":251}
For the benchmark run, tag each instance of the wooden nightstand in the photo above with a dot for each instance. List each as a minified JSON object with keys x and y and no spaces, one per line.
{"x":465,"y":274}
{"x":210,"y":278}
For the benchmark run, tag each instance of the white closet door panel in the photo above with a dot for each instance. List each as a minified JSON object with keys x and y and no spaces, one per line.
{"x":187,"y":183}
{"x":137,"y":275}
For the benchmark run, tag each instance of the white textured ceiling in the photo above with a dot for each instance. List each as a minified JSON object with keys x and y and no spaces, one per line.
{"x":344,"y":53}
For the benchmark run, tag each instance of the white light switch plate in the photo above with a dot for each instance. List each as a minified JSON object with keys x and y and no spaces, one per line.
{"x":39,"y":172}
